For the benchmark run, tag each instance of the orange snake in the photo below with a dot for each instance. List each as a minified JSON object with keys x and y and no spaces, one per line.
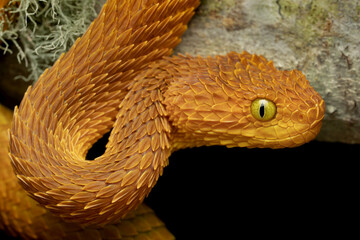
{"x":118,"y":76}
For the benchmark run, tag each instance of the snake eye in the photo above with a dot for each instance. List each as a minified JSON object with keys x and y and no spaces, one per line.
{"x":263,"y":109}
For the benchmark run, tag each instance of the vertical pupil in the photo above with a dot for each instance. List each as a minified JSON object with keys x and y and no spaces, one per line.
{"x":262,"y":110}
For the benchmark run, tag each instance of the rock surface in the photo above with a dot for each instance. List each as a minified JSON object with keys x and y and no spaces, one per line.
{"x":320,"y":38}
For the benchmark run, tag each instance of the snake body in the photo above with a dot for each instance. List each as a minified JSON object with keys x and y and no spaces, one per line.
{"x":118,"y":77}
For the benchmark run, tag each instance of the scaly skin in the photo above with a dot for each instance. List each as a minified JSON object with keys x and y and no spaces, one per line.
{"x":116,"y":77}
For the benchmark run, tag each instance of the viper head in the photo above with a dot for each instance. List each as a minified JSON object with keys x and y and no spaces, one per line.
{"x":240,"y":100}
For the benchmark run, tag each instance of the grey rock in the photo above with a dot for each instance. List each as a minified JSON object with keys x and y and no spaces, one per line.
{"x":320,"y":38}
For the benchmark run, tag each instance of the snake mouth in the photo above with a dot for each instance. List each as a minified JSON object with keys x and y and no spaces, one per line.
{"x":304,"y":136}
{"x":287,"y":142}
{"x":316,"y":124}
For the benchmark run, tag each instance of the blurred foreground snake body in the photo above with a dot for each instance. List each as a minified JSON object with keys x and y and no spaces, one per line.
{"x":118,"y":77}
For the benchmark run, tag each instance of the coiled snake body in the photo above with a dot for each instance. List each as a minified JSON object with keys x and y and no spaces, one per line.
{"x":117,"y":76}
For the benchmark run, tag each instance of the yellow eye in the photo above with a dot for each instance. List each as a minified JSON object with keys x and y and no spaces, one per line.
{"x":263,"y":109}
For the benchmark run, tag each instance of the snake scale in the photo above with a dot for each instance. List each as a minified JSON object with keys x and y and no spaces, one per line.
{"x":118,"y":76}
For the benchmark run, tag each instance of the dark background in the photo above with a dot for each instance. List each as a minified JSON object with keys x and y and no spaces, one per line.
{"x":219,"y":193}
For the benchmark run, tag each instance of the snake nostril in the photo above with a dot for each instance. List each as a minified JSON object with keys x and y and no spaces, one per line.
{"x":298,"y":116}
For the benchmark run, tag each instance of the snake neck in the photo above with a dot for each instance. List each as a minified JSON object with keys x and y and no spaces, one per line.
{"x":198,"y":103}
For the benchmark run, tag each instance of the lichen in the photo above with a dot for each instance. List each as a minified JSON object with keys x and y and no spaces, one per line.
{"x":312,"y":18}
{"x":44,"y":29}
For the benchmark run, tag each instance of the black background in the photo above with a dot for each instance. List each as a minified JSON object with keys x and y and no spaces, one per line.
{"x":219,"y":193}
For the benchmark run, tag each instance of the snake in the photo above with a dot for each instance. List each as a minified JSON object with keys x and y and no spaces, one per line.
{"x":120,"y":77}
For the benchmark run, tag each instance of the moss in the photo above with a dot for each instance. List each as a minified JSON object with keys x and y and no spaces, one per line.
{"x":45,"y":29}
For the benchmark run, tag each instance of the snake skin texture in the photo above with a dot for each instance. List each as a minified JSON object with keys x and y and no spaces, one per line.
{"x":118,"y":77}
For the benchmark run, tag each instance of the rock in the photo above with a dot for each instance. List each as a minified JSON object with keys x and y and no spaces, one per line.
{"x":320,"y":38}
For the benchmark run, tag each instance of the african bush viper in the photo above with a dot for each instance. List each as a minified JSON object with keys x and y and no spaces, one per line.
{"x":118,"y":76}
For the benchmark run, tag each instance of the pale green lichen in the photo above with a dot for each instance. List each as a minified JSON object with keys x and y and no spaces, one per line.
{"x":312,"y":18}
{"x":46,"y":28}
